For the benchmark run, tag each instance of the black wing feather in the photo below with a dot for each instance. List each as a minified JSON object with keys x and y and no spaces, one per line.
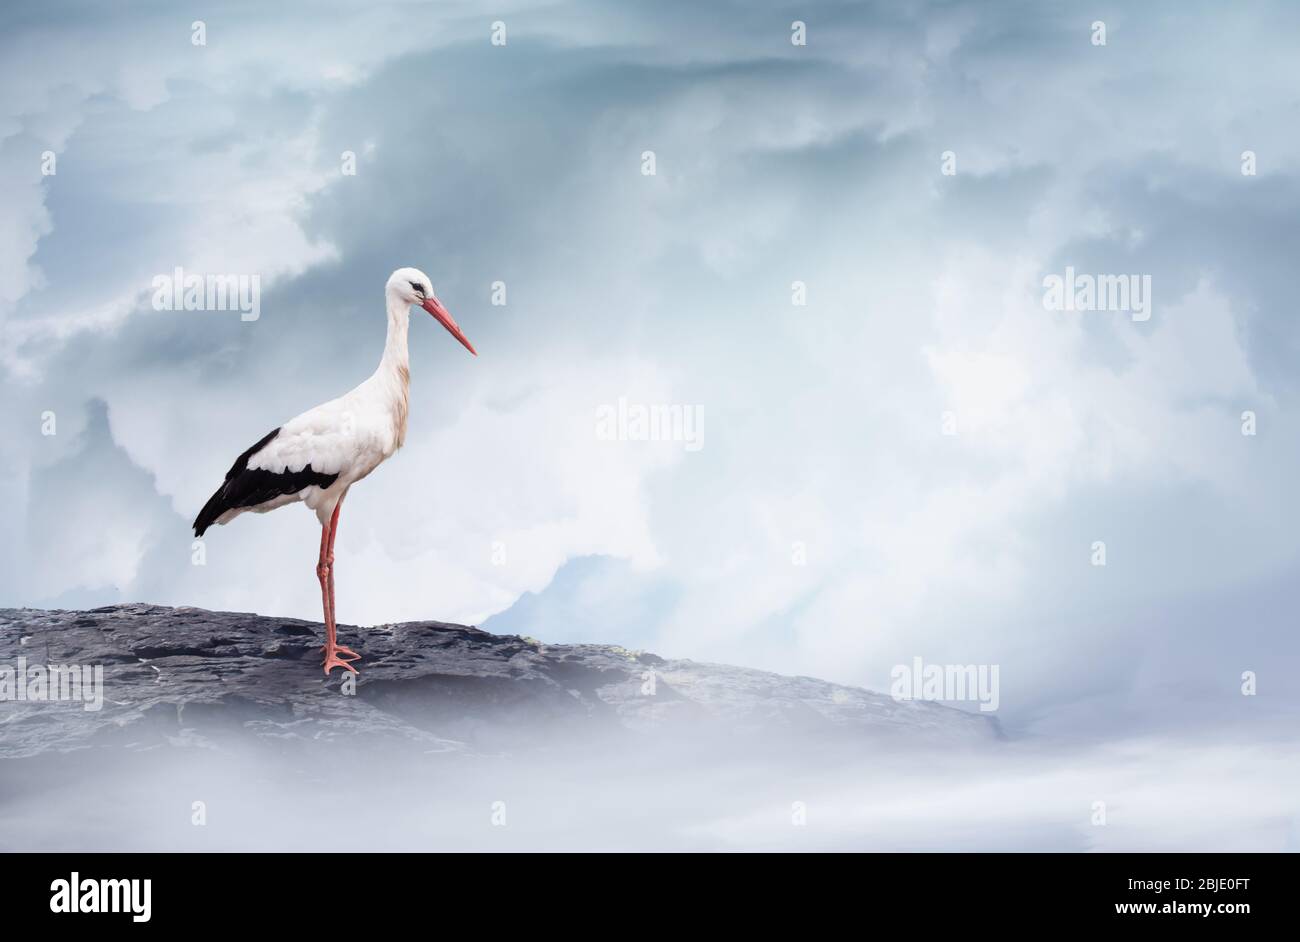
{"x":248,"y":488}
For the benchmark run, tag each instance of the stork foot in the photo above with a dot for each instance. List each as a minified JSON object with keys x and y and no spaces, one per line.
{"x":333,"y":660}
{"x":345,"y":653}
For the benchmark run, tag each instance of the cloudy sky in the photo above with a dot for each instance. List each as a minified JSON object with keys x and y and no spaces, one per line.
{"x":917,"y":461}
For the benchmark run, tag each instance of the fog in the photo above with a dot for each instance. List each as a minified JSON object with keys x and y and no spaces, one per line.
{"x":1159,"y":794}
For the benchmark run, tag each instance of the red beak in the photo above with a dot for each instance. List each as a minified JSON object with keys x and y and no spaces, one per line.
{"x":434,"y":307}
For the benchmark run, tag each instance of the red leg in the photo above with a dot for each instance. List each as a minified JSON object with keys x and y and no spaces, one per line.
{"x":335,"y":654}
{"x":348,"y":653}
{"x":322,"y":573}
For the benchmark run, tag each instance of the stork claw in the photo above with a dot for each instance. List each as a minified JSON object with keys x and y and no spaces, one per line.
{"x":332,"y":660}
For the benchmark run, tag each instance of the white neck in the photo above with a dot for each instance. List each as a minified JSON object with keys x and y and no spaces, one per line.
{"x":396,"y":356}
{"x":393,"y":377}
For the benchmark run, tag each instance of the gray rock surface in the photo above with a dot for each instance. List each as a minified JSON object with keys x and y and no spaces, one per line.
{"x":186,"y":677}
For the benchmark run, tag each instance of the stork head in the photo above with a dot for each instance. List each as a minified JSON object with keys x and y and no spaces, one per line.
{"x":412,"y":286}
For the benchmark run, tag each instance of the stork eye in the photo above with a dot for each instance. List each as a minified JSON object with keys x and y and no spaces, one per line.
{"x":419,"y":289}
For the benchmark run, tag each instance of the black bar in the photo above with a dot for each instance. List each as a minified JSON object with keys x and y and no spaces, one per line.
{"x":992,"y":890}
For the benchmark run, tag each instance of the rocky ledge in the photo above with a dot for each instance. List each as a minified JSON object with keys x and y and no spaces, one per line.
{"x":186,"y":677}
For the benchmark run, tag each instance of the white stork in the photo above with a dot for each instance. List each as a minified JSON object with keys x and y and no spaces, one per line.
{"x":316,"y":457}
